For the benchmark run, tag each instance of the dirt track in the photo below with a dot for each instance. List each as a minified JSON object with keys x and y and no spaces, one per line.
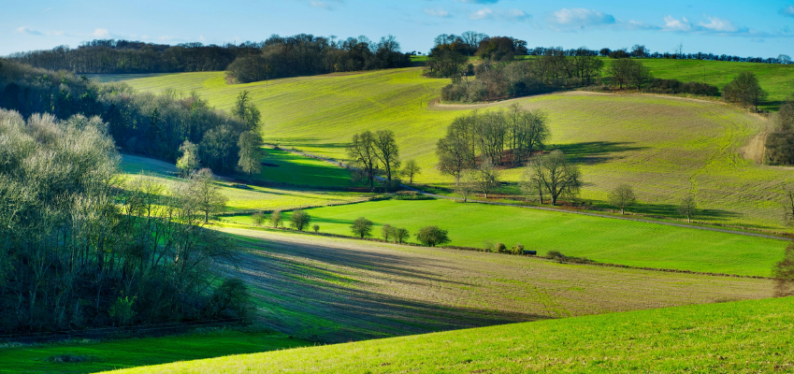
{"x":334,"y":290}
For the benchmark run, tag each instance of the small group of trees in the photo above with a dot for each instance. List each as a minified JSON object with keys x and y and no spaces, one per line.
{"x":745,"y":90}
{"x":362,"y":228}
{"x":780,"y":142}
{"x":371,"y":153}
{"x":298,"y":220}
{"x":554,"y":176}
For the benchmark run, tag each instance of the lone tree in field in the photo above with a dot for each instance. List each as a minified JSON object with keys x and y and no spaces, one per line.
{"x":387,"y":231}
{"x":250,"y":144}
{"x":401,"y":235}
{"x":362,"y":227}
{"x":744,"y":89}
{"x":688,"y":207}
{"x":432,"y":236}
{"x":387,"y":152}
{"x":316,"y":228}
{"x":190,"y":158}
{"x":258,"y":218}
{"x":275,"y":218}
{"x":411,"y":169}
{"x":299,"y":220}
{"x":207,"y":194}
{"x":487,"y":178}
{"x":784,"y":274}
{"x":362,"y":151}
{"x":622,"y":197}
{"x":555,"y":176}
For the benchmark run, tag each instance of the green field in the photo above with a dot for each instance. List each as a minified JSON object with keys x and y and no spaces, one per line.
{"x":663,"y":146}
{"x":125,"y":353}
{"x":742,"y":337}
{"x":282,"y":166}
{"x":600,"y":239}
{"x":260,"y":198}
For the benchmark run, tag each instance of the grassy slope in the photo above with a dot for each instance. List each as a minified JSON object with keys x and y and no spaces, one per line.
{"x":600,"y":239}
{"x":662,"y":146}
{"x":118,"y":354}
{"x":259,"y":198}
{"x":743,"y":337}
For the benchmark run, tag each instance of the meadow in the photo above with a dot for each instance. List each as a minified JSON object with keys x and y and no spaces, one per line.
{"x":125,"y":353}
{"x":740,"y":337}
{"x":601,"y":239}
{"x":666,"y":147}
{"x":259,"y":198}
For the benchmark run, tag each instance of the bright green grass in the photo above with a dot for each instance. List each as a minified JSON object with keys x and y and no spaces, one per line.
{"x":118,"y":354}
{"x":741,"y":337}
{"x":600,"y":239}
{"x":259,"y":198}
{"x":663,"y":146}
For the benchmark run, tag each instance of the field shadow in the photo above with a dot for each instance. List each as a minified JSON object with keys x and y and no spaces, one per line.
{"x":595,"y":152}
{"x":331,"y":294}
{"x":671,"y":210}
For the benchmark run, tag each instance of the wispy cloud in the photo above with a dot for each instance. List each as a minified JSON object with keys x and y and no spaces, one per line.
{"x":673,"y":24}
{"x":718,"y":25}
{"x":28,"y":31}
{"x":513,"y":15}
{"x":101,"y":33}
{"x":579,"y":18}
{"x":438,"y":12}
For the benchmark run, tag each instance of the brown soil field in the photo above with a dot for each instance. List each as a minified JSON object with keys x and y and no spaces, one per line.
{"x":335,"y":290}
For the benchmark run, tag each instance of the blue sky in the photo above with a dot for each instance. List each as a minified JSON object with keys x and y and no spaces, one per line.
{"x":744,"y":28}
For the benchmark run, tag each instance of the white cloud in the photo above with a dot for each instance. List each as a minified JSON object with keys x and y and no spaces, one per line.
{"x":101,"y":33}
{"x":437,"y":12}
{"x":672,"y":24}
{"x":579,"y":18}
{"x":503,"y":15}
{"x":719,"y":25}
{"x":202,"y":38}
{"x":28,"y":31}
{"x":788,"y":11}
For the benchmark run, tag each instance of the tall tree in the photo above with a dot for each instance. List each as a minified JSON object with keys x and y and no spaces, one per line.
{"x":250,"y":144}
{"x":361,"y":227}
{"x":555,"y":175}
{"x":364,"y":156}
{"x":744,"y":89}
{"x":387,"y":151}
{"x":622,"y":196}
{"x":190,"y":158}
{"x":688,"y":207}
{"x":411,"y":169}
{"x":207,"y":194}
{"x":487,"y":178}
{"x":620,"y":71}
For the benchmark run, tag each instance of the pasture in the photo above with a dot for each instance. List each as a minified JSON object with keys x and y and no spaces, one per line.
{"x":666,"y":147}
{"x":337,"y":290}
{"x":741,"y":337}
{"x":601,"y":239}
{"x":255,"y":198}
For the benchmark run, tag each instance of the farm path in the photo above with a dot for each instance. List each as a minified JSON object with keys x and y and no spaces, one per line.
{"x":334,"y":290}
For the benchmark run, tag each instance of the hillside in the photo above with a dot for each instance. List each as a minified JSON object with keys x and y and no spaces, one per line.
{"x":743,"y":337}
{"x":664,"y":146}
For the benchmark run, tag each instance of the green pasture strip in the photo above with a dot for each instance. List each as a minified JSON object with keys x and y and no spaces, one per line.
{"x":605,"y":240}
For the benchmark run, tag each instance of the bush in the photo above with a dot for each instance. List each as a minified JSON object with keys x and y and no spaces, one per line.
{"x":258,"y":218}
{"x":362,"y":227}
{"x":500,"y":248}
{"x":299,"y":220}
{"x":518,"y":249}
{"x":432,"y":236}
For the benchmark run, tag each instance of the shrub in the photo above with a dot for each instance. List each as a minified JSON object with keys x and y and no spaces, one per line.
{"x":299,"y":220}
{"x":387,"y":231}
{"x":432,"y":236}
{"x":518,"y":249}
{"x":487,"y":245}
{"x":258,"y":218}
{"x":400,"y":235}
{"x":500,"y":248}
{"x":362,"y":227}
{"x":316,"y":228}
{"x":275,"y":218}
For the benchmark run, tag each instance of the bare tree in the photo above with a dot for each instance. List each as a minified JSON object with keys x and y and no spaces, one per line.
{"x":555,"y":176}
{"x":620,"y":71}
{"x":400,"y":235}
{"x":387,"y":231}
{"x":250,"y":144}
{"x":688,"y":207}
{"x":411,"y":169}
{"x":275,"y":218}
{"x":386,"y":151}
{"x":466,"y":184}
{"x":190,"y":158}
{"x":487,"y":178}
{"x":622,"y":196}
{"x":206,"y":193}
{"x":363,"y":154}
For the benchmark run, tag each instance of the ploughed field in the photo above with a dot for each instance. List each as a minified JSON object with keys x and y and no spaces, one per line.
{"x":664,"y":147}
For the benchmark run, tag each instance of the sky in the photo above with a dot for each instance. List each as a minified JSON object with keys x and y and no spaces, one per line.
{"x":757,"y":28}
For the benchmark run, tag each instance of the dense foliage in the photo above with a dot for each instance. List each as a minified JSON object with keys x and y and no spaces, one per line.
{"x":154,"y":125}
{"x":307,"y":55}
{"x":79,"y":252}
{"x":122,"y":56}
{"x":780,"y":143}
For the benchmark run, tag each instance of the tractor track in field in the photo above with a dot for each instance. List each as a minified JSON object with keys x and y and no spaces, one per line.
{"x":409,"y":188}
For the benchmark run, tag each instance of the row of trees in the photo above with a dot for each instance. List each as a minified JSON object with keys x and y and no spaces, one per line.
{"x":79,"y":252}
{"x":780,"y":142}
{"x":142,"y":123}
{"x":491,"y":139}
{"x":307,"y":55}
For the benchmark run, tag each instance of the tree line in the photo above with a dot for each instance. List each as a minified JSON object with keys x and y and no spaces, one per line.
{"x":306,"y":54}
{"x":141,"y":123}
{"x":83,"y":248}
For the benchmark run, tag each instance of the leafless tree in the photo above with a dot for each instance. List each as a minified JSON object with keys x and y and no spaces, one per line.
{"x":554,"y":175}
{"x":363,"y":153}
{"x":622,"y":196}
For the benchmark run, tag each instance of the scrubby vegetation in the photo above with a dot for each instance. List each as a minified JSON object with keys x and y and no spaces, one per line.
{"x":79,"y":253}
{"x":780,"y":142}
